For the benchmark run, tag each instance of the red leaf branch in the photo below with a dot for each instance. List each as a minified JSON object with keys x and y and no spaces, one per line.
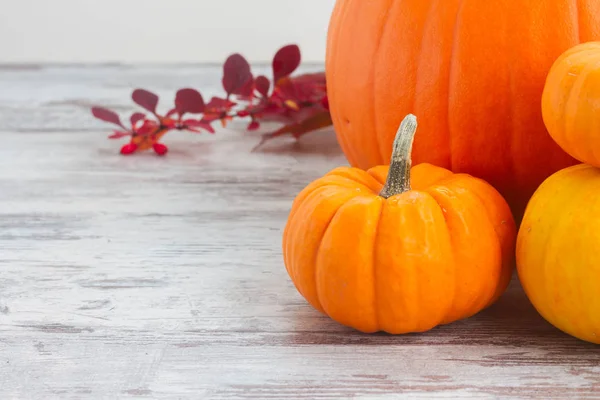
{"x":299,"y":102}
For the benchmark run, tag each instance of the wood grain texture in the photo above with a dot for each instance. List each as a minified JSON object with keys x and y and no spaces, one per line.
{"x":162,"y":278}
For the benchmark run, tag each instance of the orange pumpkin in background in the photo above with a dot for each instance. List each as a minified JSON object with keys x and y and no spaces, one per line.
{"x":475,"y":68}
{"x":406,"y":253}
{"x":571,"y":102}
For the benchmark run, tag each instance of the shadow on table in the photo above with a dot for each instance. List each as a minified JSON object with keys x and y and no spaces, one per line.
{"x":323,"y":143}
{"x":512,"y":323}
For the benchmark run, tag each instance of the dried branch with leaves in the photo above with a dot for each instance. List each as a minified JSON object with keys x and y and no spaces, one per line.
{"x":298,"y":102}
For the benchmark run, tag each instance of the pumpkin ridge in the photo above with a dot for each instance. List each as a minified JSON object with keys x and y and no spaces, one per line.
{"x":565,"y":128}
{"x":543,"y":270}
{"x":316,"y":258}
{"x":376,"y":308}
{"x":289,"y":231}
{"x":359,"y":201}
{"x":344,"y":184}
{"x":338,"y":17}
{"x":419,"y":74}
{"x":591,"y":190}
{"x":576,"y":19}
{"x":572,"y":103}
{"x":449,"y":192}
{"x":513,"y":170}
{"x":548,"y":277}
{"x":312,"y":201}
{"x":500,"y":285}
{"x":358,"y":176}
{"x":450,"y":304}
{"x":445,"y":319}
{"x":451,"y":72}
{"x":584,"y":321}
{"x":329,"y":179}
{"x":429,"y":16}
{"x":440,"y":181}
{"x":380,"y":178}
{"x":593,"y":150}
{"x":378,"y":141}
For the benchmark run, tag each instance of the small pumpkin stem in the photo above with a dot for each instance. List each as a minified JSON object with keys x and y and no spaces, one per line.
{"x":398,"y":179}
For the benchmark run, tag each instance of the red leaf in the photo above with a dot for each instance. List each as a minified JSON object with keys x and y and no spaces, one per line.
{"x":254,"y":125}
{"x":262,"y":84}
{"x":217,"y":103}
{"x":107,"y":115}
{"x":316,"y":121}
{"x":217,"y":108}
{"x":147,"y":128}
{"x":286,"y":60}
{"x":247,"y":90}
{"x":306,"y":89}
{"x":145,"y":99}
{"x":266,"y":109}
{"x":194,"y":123}
{"x":236,"y":73}
{"x":129,"y":148}
{"x":119,"y":134}
{"x":189,"y":101}
{"x":208,"y":127}
{"x":135,"y":118}
{"x":160,"y":149}
{"x":315,"y":79}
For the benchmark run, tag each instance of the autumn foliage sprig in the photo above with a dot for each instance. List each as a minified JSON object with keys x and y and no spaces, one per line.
{"x":299,"y":102}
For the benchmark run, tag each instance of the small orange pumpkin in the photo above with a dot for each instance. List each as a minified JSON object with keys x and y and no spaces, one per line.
{"x":571,"y":102}
{"x":401,"y":254}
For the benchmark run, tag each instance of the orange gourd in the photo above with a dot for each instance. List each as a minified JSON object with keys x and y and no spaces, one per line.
{"x":571,"y":102}
{"x":475,"y":68}
{"x":558,"y":261}
{"x":406,"y":253}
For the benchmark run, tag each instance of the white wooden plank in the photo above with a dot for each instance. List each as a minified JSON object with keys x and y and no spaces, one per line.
{"x":148,"y":277}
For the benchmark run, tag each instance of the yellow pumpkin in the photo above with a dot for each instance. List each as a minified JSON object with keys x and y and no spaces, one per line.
{"x":558,"y":251}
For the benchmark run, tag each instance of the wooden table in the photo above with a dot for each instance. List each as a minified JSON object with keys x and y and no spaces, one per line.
{"x":162,"y":278}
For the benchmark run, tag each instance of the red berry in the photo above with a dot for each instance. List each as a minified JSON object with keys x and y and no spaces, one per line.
{"x":129,"y":148}
{"x":243,"y":113}
{"x":160,"y":149}
{"x":254,"y":125}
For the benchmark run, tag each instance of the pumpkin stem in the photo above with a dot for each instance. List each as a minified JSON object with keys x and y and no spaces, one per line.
{"x":398,"y":179}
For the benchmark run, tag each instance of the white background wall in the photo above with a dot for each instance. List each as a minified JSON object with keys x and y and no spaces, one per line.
{"x":133,"y":31}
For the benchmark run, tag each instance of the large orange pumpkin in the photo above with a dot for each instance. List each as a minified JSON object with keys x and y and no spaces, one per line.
{"x":476,"y":69}
{"x":406,"y":253}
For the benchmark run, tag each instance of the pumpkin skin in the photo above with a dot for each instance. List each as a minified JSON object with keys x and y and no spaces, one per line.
{"x":557,"y":251}
{"x":434,"y":254}
{"x":571,"y":102}
{"x":476,"y":69}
